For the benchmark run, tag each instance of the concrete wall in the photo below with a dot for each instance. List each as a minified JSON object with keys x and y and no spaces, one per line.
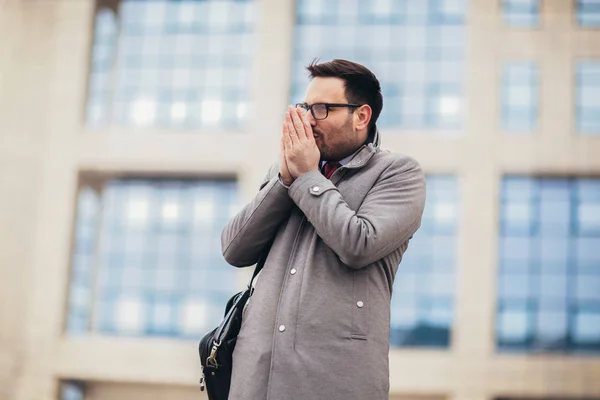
{"x":44,"y":144}
{"x":27,"y":57}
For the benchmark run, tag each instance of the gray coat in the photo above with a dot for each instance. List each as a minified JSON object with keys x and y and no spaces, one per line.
{"x":317,"y":326}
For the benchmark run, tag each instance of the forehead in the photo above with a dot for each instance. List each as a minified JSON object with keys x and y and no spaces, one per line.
{"x":325,"y":90}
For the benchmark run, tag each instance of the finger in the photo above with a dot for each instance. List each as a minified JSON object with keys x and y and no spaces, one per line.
{"x":285,"y":137}
{"x":307,"y":127}
{"x":298,"y":124}
{"x":291,"y":129}
{"x":285,"y":134}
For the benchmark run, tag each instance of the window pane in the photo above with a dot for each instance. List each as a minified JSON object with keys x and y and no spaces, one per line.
{"x":519,"y":188}
{"x":553,"y":251}
{"x":549,"y":265}
{"x":105,"y":37}
{"x":587,"y":97}
{"x":552,"y":286}
{"x":587,"y":254}
{"x":521,"y":13}
{"x":587,"y":327}
{"x":515,"y":286}
{"x":422,"y":304}
{"x":589,"y":217}
{"x":513,"y":324}
{"x":588,"y":13}
{"x":168,"y":53}
{"x":552,"y":327}
{"x":518,"y":217}
{"x":83,"y":261}
{"x":156,"y":249}
{"x":588,"y":288}
{"x":71,"y":391}
{"x":520,"y":97}
{"x":515,"y":253}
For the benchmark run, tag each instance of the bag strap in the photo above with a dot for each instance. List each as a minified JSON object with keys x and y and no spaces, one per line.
{"x":260,"y":264}
{"x":240,"y":297}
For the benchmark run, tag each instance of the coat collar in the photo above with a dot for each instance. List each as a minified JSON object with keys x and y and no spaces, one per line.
{"x":365,"y":152}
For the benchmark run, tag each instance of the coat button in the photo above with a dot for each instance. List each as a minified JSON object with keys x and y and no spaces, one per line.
{"x":281,"y":328}
{"x":360,"y":304}
{"x":315,"y":188}
{"x":293,"y":271}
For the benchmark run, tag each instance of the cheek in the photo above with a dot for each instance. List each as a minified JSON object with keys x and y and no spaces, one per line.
{"x":330,"y":131}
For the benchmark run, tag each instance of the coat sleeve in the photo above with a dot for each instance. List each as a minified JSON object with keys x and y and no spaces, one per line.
{"x":246,"y":234}
{"x":389,"y":215}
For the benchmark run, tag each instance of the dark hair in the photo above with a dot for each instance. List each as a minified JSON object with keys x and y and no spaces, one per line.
{"x":361,"y":85}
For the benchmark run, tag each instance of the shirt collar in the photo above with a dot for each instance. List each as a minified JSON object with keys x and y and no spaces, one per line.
{"x":343,"y":161}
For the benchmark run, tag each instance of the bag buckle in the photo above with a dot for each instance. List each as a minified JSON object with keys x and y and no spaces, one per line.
{"x":202,"y":385}
{"x":212,"y":359}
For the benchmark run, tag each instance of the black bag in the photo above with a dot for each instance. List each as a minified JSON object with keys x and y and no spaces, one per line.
{"x":216,"y":347}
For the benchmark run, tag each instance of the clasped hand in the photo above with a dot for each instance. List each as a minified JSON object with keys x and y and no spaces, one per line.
{"x":299,"y":152}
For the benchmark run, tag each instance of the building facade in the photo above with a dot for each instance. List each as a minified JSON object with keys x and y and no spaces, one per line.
{"x":131,"y":130}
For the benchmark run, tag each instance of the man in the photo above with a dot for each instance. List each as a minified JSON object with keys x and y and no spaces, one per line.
{"x":317,"y":325}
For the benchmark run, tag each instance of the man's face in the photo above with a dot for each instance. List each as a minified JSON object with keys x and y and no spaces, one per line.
{"x":336,"y":136}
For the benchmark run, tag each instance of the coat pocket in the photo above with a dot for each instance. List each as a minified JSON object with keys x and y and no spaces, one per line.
{"x":360,"y":308}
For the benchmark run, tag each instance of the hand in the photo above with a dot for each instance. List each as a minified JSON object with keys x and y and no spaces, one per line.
{"x":284,"y":171}
{"x":301,"y":151}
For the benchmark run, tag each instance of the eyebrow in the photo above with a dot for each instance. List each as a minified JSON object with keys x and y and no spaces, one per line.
{"x":324,"y":102}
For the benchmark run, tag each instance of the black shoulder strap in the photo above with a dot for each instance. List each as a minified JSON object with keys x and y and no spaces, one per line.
{"x":260,"y":263}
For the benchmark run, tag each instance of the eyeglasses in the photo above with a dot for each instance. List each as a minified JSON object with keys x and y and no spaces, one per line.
{"x":320,"y":111}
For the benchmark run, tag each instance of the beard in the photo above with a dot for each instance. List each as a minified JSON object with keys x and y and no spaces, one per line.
{"x":343,"y":142}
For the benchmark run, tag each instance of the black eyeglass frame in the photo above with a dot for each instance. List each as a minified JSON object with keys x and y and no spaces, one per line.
{"x":308,"y":107}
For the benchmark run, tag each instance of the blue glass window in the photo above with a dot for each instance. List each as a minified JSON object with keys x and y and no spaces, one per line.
{"x":588,"y":13}
{"x":549,"y":276}
{"x":416,"y":49}
{"x":83,"y":259}
{"x":423,"y":297}
{"x":177,"y":64}
{"x":520,"y":97}
{"x":521,"y":13}
{"x":105,"y":38}
{"x":71,"y":391}
{"x":588,"y":97}
{"x":155,"y":258}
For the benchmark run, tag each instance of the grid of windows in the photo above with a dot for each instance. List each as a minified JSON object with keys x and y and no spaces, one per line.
{"x":183,"y":64}
{"x":549,"y":280}
{"x":521,"y":13}
{"x":416,"y":49}
{"x":157,"y":259}
{"x":588,"y":97}
{"x":520,"y":96}
{"x":422,"y":302}
{"x":588,"y":13}
{"x":139,"y":243}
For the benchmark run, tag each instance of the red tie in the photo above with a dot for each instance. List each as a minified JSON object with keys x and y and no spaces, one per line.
{"x":330,"y":168}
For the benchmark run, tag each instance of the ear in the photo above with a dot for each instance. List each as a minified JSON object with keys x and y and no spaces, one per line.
{"x":362,"y":117}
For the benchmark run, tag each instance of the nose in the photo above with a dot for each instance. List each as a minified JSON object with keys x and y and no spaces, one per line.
{"x":311,"y":119}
